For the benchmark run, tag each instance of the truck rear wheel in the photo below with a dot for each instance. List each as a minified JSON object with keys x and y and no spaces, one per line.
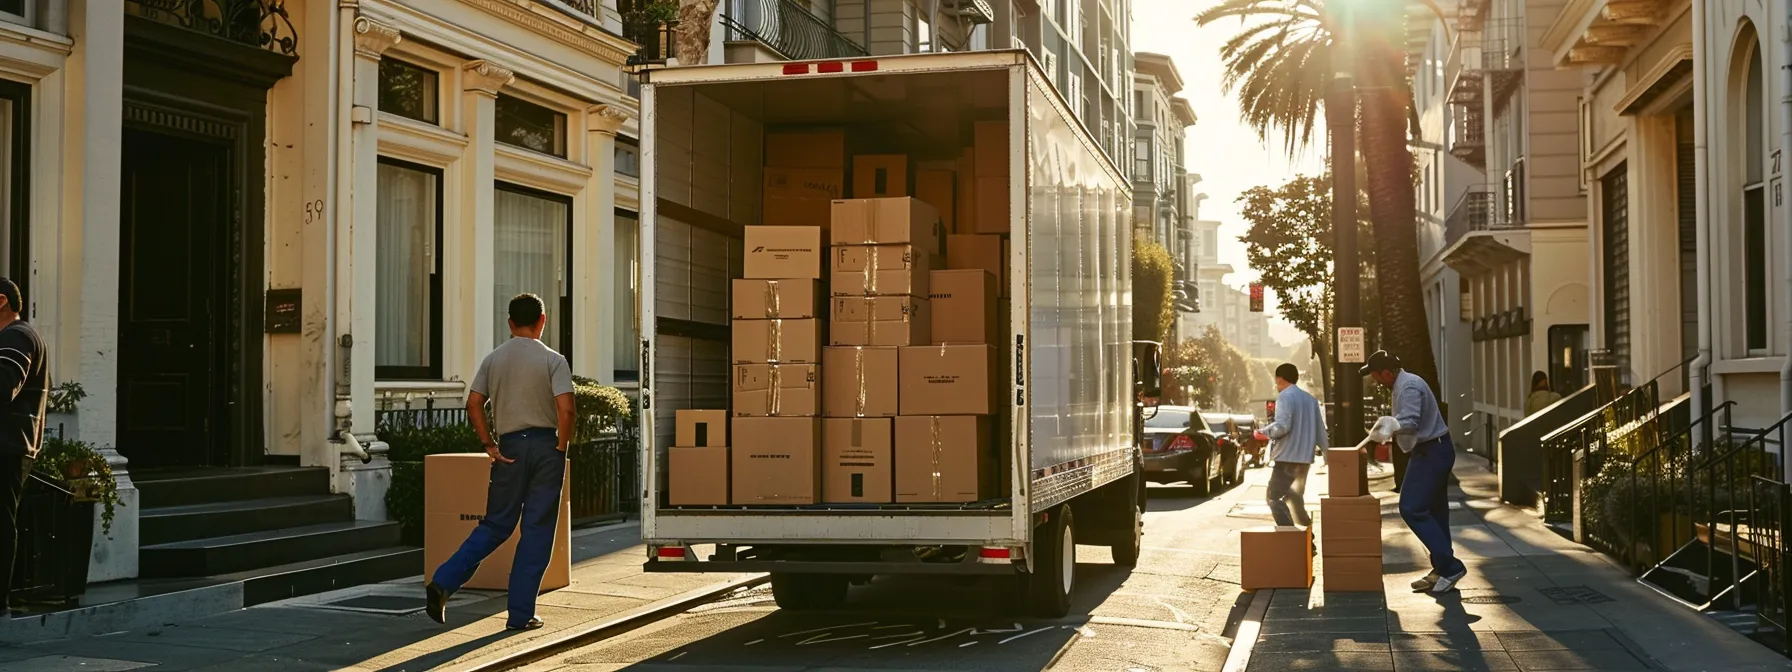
{"x":1047,"y":589}
{"x":1130,"y":541}
{"x":801,"y":592}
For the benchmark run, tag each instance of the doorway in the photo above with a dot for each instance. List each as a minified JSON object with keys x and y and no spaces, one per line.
{"x":172,"y":210}
{"x":1568,"y":360}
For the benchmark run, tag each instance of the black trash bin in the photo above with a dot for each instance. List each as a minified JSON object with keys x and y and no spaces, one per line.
{"x":55,"y":543}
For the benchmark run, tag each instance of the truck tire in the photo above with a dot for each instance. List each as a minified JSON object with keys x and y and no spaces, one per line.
{"x":1130,"y":541}
{"x":1047,"y":590}
{"x":802,"y":592}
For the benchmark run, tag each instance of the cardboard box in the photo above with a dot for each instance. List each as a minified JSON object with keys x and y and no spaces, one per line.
{"x":697,"y":476}
{"x":455,"y":486}
{"x":776,"y":341}
{"x":879,"y":270}
{"x":989,"y":253}
{"x":947,"y":380}
{"x":859,"y":382}
{"x":1353,"y":574}
{"x":806,"y":148}
{"x":967,"y":189}
{"x":964,"y":307}
{"x":879,"y":175}
{"x":800,"y":196}
{"x":1275,"y":557}
{"x":782,"y":252}
{"x":989,"y":141}
{"x":939,"y":188}
{"x":880,"y":321}
{"x":887,"y":221}
{"x":755,"y":299}
{"x":992,"y":205}
{"x":1350,"y":526}
{"x":777,"y":390}
{"x":775,"y":461}
{"x":701,"y":428}
{"x":1347,"y":472}
{"x":944,"y":459}
{"x":856,"y":461}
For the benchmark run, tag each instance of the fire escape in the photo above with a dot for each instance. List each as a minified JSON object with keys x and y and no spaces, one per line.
{"x":1489,"y":68}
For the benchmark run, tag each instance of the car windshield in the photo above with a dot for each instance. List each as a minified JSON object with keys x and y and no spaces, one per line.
{"x":1168,"y":419}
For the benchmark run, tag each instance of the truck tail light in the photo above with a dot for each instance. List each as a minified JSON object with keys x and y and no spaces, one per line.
{"x":997,"y":555}
{"x":864,"y":66}
{"x":1182,"y":444}
{"x":668,"y":553}
{"x":796,"y":68}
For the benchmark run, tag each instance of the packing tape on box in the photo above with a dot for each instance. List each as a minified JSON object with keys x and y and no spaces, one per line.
{"x":871,"y":272}
{"x":774,"y":345}
{"x":858,"y":363}
{"x":776,"y":378}
{"x":937,"y":449}
{"x":772,"y":309}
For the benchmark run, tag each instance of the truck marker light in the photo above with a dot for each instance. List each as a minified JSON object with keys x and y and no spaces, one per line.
{"x":670,"y":552}
{"x":796,"y":68}
{"x":830,"y":67}
{"x":864,"y":66}
{"x":994,"y":553}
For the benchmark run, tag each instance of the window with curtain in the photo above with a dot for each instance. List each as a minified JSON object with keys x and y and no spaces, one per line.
{"x":1754,"y":209}
{"x":408,"y":291}
{"x":524,"y":124}
{"x":628,"y":288}
{"x":532,"y":253}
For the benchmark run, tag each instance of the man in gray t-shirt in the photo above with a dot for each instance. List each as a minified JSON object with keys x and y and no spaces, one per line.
{"x":530,"y":390}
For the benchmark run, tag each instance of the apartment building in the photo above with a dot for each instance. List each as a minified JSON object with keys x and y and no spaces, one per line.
{"x":1224,"y":306}
{"x":1159,"y":176}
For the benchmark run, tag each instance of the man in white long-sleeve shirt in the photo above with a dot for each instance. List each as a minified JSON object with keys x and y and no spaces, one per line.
{"x":1418,"y":428}
{"x":1295,"y":437}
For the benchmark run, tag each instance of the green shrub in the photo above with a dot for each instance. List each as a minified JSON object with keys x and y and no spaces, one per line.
{"x":84,"y":469}
{"x":1153,"y":307}
{"x":599,"y":409}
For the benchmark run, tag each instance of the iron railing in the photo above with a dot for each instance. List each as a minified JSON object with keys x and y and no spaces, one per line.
{"x":1628,"y":426}
{"x":1473,"y":212}
{"x":786,"y":27}
{"x":263,"y":24}
{"x":1664,"y":503}
{"x":1770,"y":505}
{"x":1468,"y":139}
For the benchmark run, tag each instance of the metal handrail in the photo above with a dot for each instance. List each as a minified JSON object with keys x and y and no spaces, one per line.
{"x":786,"y":27}
{"x":1726,"y":471}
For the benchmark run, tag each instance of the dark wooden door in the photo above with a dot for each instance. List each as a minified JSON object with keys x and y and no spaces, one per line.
{"x":171,"y":215}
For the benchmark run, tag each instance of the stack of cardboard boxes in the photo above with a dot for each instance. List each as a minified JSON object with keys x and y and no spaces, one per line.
{"x":1350,"y":525}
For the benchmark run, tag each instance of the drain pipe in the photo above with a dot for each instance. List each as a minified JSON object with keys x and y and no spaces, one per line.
{"x":1696,"y":376}
{"x":1786,"y":213}
{"x":341,"y":232}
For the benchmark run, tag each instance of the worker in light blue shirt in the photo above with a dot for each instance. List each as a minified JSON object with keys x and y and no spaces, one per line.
{"x":1296,"y":435}
{"x":1418,"y":428}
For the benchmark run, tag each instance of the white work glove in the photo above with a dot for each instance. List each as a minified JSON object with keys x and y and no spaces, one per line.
{"x":1384,"y":429}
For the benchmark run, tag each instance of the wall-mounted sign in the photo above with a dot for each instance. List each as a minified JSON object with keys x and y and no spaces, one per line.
{"x":284,"y":313}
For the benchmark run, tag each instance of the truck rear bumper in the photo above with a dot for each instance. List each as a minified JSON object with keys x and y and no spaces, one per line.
{"x":824,"y":567}
{"x":915,"y":528}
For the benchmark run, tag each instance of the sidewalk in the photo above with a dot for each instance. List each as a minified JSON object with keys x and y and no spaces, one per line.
{"x":1532,"y":601}
{"x":377,"y":627}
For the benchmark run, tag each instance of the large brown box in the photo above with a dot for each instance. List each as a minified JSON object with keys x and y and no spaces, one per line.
{"x":989,"y":142}
{"x":697,"y":475}
{"x":856,"y":460}
{"x":859,"y":382}
{"x":700,"y":428}
{"x":944,"y":458}
{"x":1353,"y":574}
{"x":806,"y":148}
{"x":800,"y":196}
{"x":1275,"y":557}
{"x":782,"y":252}
{"x":776,"y":341}
{"x":1350,"y":526}
{"x":1347,"y":472}
{"x":992,"y":205}
{"x":454,"y":490}
{"x":939,"y":188}
{"x":777,"y":390}
{"x":880,"y":270}
{"x":886,"y":221}
{"x":967,"y":190}
{"x":947,"y":380}
{"x":970,"y":251}
{"x":879,"y":176}
{"x":761,"y":299}
{"x":880,"y":321}
{"x":964,"y":307}
{"x":776,"y":461}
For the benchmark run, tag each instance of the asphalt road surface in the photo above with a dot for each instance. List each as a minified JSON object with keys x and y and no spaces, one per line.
{"x":1169,"y":613}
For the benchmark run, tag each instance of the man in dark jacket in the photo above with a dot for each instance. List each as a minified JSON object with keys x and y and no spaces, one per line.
{"x":24,"y":378}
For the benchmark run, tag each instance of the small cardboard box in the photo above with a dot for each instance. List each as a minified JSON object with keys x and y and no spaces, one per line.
{"x":964,"y":306}
{"x":880,"y":321}
{"x":777,"y":390}
{"x":939,"y":188}
{"x":455,"y":487}
{"x":887,"y":221}
{"x":776,"y":461}
{"x":859,"y":382}
{"x":988,"y":253}
{"x":777,"y":341}
{"x":879,"y":175}
{"x":800,"y":196}
{"x":1353,"y":574}
{"x":1347,"y":472}
{"x":856,"y":458}
{"x":697,"y":476}
{"x":1350,"y":526}
{"x":1275,"y":557}
{"x":756,"y":299}
{"x":880,"y":270}
{"x":992,"y":205}
{"x":989,"y":141}
{"x":947,"y":380}
{"x":817,"y":147}
{"x":700,"y":428}
{"x":782,"y":252}
{"x":944,"y":458}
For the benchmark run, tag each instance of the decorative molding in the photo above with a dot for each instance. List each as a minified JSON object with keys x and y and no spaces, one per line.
{"x":1596,"y":55}
{"x":1674,"y":67}
{"x":1636,"y":12}
{"x":592,"y":40}
{"x":373,"y":38}
{"x":606,"y":119}
{"x":1613,"y":34}
{"x":485,"y":77}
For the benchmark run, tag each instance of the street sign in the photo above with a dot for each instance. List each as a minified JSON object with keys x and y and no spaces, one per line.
{"x":1256,"y":297}
{"x":1351,"y":346}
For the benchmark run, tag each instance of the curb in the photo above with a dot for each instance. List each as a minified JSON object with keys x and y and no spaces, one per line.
{"x":596,"y":632}
{"x":1245,"y":639}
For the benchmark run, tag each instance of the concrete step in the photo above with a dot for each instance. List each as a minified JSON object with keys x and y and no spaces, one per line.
{"x":265,"y":549}
{"x":185,"y":487}
{"x":170,"y":524}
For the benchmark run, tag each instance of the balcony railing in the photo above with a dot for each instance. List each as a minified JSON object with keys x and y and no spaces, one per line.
{"x":263,"y":24}
{"x":1469,"y":137}
{"x":786,"y":27}
{"x":1473,"y":212}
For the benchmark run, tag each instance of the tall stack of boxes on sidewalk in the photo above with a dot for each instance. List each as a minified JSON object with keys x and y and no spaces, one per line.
{"x":864,"y":333}
{"x":1350,"y":525}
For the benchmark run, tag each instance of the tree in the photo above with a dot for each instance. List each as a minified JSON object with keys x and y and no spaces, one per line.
{"x":1152,"y":311}
{"x":1231,"y":371}
{"x":691,"y":36}
{"x":1189,"y":377}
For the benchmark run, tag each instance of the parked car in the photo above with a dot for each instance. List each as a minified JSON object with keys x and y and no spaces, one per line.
{"x":1178,"y":449}
{"x":1230,"y":437}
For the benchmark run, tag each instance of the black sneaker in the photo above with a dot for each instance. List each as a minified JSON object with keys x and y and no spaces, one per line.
{"x":533,"y":624}
{"x":437,"y":606}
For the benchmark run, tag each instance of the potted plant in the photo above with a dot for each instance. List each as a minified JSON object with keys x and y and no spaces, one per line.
{"x":87,"y":476}
{"x":60,"y":420}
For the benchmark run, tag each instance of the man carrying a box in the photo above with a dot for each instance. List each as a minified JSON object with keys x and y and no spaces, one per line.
{"x":1296,"y":436}
{"x":1419,"y":428}
{"x":530,"y":388}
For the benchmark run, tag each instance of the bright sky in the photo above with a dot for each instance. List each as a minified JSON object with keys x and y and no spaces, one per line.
{"x":1220,"y":147}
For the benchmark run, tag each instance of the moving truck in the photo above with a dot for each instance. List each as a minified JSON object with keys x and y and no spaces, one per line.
{"x":1064,"y":412}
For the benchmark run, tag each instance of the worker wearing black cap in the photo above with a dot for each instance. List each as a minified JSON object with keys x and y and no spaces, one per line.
{"x":1418,"y":427}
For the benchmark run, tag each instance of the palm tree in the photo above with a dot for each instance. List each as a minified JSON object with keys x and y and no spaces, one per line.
{"x":1279,"y":64}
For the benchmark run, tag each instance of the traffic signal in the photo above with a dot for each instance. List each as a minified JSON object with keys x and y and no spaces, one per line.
{"x":1256,"y":297}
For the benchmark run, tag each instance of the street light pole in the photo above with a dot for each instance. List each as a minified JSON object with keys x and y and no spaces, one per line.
{"x":1340,"y":122}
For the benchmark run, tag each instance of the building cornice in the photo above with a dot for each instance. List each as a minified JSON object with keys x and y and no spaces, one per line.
{"x":1576,"y":16}
{"x":585,"y":37}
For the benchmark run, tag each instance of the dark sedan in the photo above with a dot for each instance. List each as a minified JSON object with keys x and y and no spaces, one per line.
{"x":1177,"y":450}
